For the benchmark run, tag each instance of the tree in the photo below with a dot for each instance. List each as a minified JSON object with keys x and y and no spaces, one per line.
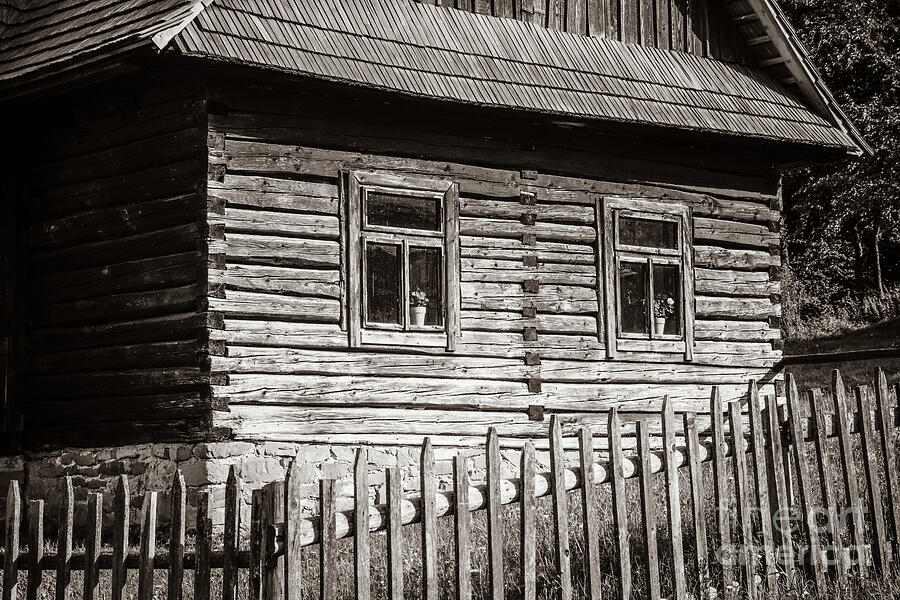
{"x":843,"y":219}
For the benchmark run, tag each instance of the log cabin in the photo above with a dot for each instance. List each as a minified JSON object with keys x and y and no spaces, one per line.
{"x":233,"y":229}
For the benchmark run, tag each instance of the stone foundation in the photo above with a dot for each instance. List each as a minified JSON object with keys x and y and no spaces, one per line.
{"x":205,"y":466}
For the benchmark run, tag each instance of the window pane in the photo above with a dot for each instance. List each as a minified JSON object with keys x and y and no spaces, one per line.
{"x":409,"y":212}
{"x":648,"y":233}
{"x":425,"y":285}
{"x":634,"y":284}
{"x":383,"y":283}
{"x":667,"y":303}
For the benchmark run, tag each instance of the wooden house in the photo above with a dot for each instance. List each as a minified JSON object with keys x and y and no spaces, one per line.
{"x":370,"y":221}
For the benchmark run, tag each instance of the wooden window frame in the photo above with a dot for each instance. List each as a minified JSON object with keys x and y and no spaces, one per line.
{"x":614,"y":253}
{"x":359,"y":233}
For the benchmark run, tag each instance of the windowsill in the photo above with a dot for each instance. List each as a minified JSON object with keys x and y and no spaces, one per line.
{"x":673,"y":344}
{"x":435,"y":338}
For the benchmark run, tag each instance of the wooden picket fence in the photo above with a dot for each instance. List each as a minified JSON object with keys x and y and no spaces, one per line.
{"x":763,"y":466}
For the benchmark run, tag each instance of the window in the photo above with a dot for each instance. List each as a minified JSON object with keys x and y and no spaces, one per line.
{"x":648,"y":276}
{"x":403,"y":256}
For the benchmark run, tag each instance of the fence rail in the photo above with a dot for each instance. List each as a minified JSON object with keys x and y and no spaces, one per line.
{"x":754,"y":462}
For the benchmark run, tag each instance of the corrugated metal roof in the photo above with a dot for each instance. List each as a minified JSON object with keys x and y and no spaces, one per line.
{"x":439,"y":52}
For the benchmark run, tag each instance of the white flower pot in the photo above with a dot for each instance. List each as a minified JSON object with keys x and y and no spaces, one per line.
{"x":418,"y":315}
{"x":659,"y":325}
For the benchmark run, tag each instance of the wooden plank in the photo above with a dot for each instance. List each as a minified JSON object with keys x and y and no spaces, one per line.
{"x":428,"y":485}
{"x":779,"y":506}
{"x":673,"y":497}
{"x":885,"y":418}
{"x":35,"y":548}
{"x":177,"y":504}
{"x":394,"y":534}
{"x":92,"y":545}
{"x":648,"y":510}
{"x":663,"y":32}
{"x":462,"y":522}
{"x":121,"y":520}
{"x":720,"y":489}
{"x":590,"y":510}
{"x":328,"y":550}
{"x":849,"y":472}
{"x":609,"y":284}
{"x":495,"y":528}
{"x":527,"y":534}
{"x":254,"y":577}
{"x":554,"y":19}
{"x":232,"y":530}
{"x":148,"y":546}
{"x":880,"y":546}
{"x":648,"y":25}
{"x":361,"y":580}
{"x":631,"y":23}
{"x":451,"y":245}
{"x":560,"y":511}
{"x":761,"y":483}
{"x":273,"y":576}
{"x":698,"y":501}
{"x":620,"y":504}
{"x":804,"y":484}
{"x":742,"y":494}
{"x":202,"y":571}
{"x":823,"y":461}
{"x":65,"y":524}
{"x":294,"y":497}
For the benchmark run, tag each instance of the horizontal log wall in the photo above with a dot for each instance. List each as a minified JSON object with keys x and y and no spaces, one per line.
{"x":532,"y":339}
{"x":114,"y":218}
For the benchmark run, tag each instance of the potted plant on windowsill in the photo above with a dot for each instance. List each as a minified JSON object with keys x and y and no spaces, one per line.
{"x":663,"y":309}
{"x":418,"y":304}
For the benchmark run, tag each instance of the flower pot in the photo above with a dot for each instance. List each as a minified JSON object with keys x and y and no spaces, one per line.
{"x":418,"y":315}
{"x":659,"y":326}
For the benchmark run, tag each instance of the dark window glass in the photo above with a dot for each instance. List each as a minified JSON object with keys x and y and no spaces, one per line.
{"x":383,"y":267}
{"x":648,"y":233}
{"x":408,"y":212}
{"x":633,"y":292}
{"x":425,"y":285}
{"x":667,"y":300}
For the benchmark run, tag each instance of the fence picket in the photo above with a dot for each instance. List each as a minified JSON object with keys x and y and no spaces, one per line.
{"x":361,"y":525}
{"x":293,"y":558}
{"x":429,"y":522}
{"x":92,"y":545}
{"x":273,"y":584}
{"x":742,"y":495}
{"x":494,"y":527}
{"x":761,"y":481}
{"x":35,"y":547}
{"x":648,"y":512}
{"x":619,"y":500}
{"x":254,"y":583}
{"x":720,"y":488}
{"x":779,"y":506}
{"x":560,"y":510}
{"x":824,"y":470}
{"x":148,"y":546}
{"x":121,"y":520}
{"x":848,"y":469}
{"x":394,"y":534}
{"x":590,"y":514}
{"x":176,"y":538}
{"x":204,"y":548}
{"x":526,"y":522}
{"x":232,"y":531}
{"x":879,"y":539}
{"x":11,"y":557}
{"x":673,"y":497}
{"x":64,"y":538}
{"x":804,"y":484}
{"x":698,"y":501}
{"x":463,"y":527}
{"x":888,"y":452}
{"x":328,"y":550}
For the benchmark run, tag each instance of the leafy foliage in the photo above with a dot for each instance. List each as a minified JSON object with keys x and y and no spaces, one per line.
{"x":843,"y":219}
